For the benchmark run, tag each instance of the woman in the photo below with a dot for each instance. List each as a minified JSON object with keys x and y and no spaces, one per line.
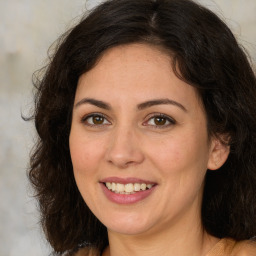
{"x":146,"y":121}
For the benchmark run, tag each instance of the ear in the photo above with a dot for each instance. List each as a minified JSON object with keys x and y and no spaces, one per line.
{"x":219,"y":151}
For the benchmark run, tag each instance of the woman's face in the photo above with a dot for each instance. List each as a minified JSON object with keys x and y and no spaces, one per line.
{"x":141,"y":131}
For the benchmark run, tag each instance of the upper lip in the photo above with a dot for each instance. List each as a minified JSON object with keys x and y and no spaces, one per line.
{"x":126,"y":180}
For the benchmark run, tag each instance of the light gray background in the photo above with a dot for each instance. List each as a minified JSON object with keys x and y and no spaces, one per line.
{"x":27,"y":29}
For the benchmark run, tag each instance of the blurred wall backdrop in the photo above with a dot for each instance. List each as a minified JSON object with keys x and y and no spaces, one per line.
{"x":27,"y":29}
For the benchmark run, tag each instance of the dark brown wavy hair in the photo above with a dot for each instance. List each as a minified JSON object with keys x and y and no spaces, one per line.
{"x":209,"y":59}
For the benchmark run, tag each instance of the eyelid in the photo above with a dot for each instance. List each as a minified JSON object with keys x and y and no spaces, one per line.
{"x":93,"y":114}
{"x":171,"y":120}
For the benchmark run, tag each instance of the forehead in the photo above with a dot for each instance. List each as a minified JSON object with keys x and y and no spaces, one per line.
{"x":136,"y":52}
{"x":135,"y":70}
{"x":139,"y":59}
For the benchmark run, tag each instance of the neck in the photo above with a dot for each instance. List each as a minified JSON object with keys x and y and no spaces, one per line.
{"x":185,"y":238}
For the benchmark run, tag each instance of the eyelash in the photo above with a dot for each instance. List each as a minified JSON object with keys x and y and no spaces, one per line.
{"x":161,"y":116}
{"x":166,"y":118}
{"x":84,"y":120}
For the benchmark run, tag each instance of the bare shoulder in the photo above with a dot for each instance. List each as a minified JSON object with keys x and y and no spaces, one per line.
{"x":244,"y":248}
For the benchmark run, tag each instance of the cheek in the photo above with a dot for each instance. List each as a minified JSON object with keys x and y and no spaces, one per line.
{"x":84,"y":156}
{"x":180,"y":155}
{"x":84,"y":151}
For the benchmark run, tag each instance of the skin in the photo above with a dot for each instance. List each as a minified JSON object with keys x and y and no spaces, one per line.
{"x":130,"y":142}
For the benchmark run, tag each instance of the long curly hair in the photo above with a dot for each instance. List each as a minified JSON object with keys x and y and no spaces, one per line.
{"x":208,"y":57}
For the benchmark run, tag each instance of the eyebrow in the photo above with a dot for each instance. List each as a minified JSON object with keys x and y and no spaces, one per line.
{"x":97,"y":103}
{"x":141,"y":106}
{"x":151,"y":103}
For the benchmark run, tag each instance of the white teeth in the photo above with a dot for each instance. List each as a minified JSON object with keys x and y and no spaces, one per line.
{"x":127,"y":188}
{"x":136,"y":187}
{"x":109,"y":185}
{"x":113,"y":186}
{"x":143,"y":186}
{"x":120,"y":188}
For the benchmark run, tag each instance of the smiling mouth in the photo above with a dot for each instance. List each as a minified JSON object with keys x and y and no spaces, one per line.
{"x":127,"y":189}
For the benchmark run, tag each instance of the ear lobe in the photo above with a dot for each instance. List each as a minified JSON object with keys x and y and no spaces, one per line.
{"x":218,"y":155}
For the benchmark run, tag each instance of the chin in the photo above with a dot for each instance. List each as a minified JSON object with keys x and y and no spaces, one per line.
{"x":127,"y":224}
{"x":128,"y":229}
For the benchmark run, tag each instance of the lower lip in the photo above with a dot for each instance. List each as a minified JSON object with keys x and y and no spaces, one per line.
{"x":126,"y":199}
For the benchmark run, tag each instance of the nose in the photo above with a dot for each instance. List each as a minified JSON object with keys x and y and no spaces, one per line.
{"x":124,"y":148}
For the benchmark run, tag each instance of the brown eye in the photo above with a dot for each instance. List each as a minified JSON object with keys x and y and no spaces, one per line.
{"x":98,"y":120}
{"x":160,"y":120}
{"x":95,"y":120}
